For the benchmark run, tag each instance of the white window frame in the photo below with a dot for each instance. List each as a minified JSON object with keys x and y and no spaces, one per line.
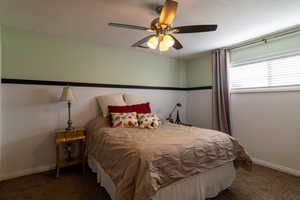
{"x":288,"y":88}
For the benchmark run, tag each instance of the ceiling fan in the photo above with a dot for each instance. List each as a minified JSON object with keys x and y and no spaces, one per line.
{"x":162,"y":29}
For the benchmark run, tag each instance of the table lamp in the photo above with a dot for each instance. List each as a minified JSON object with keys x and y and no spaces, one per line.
{"x":67,"y":95}
{"x":170,"y":119}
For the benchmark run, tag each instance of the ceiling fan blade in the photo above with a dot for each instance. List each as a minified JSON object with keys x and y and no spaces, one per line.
{"x":195,"y":28}
{"x":177,"y":45}
{"x":127,"y":26}
{"x":168,"y":12}
{"x":142,"y":41}
{"x":144,"y":47}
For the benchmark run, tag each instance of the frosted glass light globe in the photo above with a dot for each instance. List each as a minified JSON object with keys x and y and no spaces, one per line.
{"x":169,"y":40}
{"x":163,"y":46}
{"x":153,"y":42}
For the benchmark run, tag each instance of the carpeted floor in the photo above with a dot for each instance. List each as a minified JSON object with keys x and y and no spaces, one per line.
{"x":261,"y":184}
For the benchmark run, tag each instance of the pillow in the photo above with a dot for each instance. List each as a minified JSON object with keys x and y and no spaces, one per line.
{"x":138,"y":108}
{"x":124,"y":119}
{"x":105,"y":101}
{"x":133,"y":99}
{"x":148,"y":120}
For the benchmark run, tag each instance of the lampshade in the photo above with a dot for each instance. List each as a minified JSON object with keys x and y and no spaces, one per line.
{"x":67,"y":94}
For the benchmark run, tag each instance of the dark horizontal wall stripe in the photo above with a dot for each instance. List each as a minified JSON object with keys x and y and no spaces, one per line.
{"x":200,"y":88}
{"x":79,"y":84}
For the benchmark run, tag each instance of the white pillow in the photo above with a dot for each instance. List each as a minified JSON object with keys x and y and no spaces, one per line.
{"x":113,"y":100}
{"x":133,"y":99}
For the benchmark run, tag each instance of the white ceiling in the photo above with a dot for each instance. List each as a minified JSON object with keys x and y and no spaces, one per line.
{"x":238,"y":20}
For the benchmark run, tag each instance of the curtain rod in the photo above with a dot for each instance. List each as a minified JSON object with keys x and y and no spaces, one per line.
{"x":265,"y":39}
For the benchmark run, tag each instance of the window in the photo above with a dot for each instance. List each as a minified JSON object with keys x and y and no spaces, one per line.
{"x":270,"y":72}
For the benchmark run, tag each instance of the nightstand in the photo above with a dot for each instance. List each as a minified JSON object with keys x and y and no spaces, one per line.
{"x":66,"y":139}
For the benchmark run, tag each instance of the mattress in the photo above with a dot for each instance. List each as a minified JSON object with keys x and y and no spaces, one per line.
{"x":198,"y":187}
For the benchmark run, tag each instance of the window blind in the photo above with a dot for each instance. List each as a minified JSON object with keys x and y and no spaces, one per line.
{"x":276,"y":72}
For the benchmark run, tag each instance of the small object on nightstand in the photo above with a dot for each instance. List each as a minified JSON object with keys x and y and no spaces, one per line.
{"x":67,"y":138}
{"x":177,"y":121}
{"x":170,"y":119}
{"x":184,"y":124}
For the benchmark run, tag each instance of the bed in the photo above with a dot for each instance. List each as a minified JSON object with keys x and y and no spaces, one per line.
{"x":198,"y":187}
{"x":170,"y":162}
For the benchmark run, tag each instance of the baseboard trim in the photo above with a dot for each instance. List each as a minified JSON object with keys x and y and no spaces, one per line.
{"x":25,"y":172}
{"x":277,"y":167}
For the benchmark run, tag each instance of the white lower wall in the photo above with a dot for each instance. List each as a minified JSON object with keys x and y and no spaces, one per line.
{"x":266,"y":124}
{"x":31,"y":114}
{"x":0,"y":100}
{"x":199,"y":108}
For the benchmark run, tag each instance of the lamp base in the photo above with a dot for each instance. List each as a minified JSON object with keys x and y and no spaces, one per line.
{"x":69,"y":120}
{"x":177,"y":121}
{"x":70,"y":127}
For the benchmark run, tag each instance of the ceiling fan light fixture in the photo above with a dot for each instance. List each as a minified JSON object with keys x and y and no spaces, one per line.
{"x":162,"y":37}
{"x":163,"y":46}
{"x":153,"y":42}
{"x":169,"y":41}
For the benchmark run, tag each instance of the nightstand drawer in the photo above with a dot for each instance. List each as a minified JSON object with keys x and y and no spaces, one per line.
{"x":65,"y":136}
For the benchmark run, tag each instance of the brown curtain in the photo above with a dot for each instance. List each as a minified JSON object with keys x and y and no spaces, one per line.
{"x":221,"y":116}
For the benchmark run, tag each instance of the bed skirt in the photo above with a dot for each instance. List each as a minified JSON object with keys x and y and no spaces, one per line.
{"x":199,"y":187}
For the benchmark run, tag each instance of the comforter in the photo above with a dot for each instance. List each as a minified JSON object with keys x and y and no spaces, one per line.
{"x":141,"y":161}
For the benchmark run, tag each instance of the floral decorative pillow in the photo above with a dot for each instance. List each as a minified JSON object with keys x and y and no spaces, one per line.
{"x":148,"y":120}
{"x":124,"y":119}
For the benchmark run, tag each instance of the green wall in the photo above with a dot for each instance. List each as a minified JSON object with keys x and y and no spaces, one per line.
{"x":38,"y":56}
{"x":272,"y":47}
{"x":199,"y":70}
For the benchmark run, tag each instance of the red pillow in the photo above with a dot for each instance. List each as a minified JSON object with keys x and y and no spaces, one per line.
{"x":138,"y":108}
